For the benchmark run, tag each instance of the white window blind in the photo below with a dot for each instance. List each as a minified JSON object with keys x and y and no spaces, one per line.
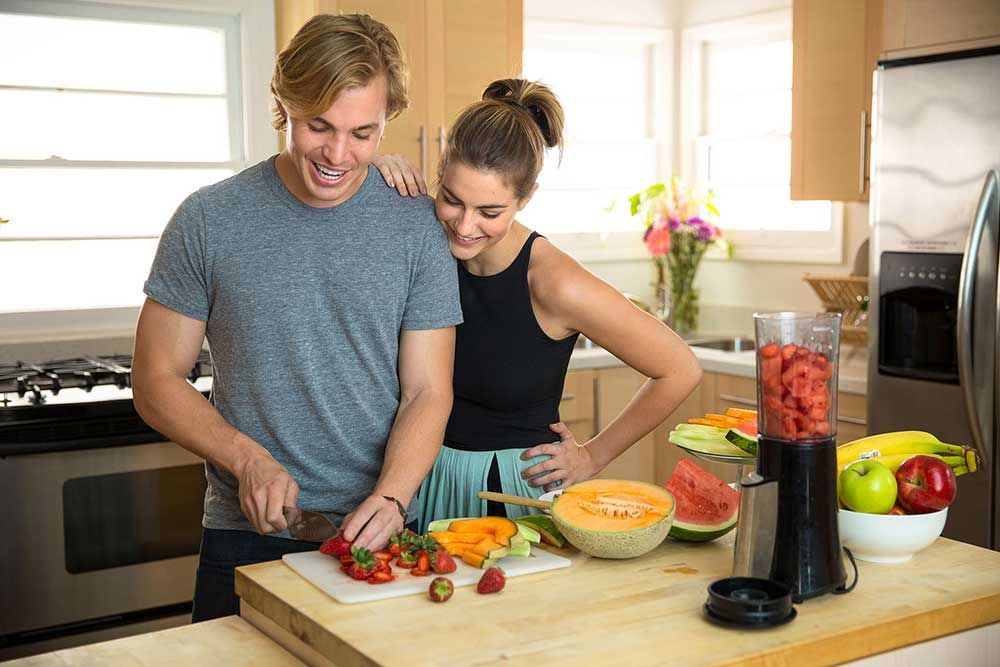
{"x":112,"y":115}
{"x":611,"y":83}
{"x":740,"y":108}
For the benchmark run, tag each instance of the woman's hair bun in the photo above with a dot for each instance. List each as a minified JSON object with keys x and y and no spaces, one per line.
{"x":537,"y":100}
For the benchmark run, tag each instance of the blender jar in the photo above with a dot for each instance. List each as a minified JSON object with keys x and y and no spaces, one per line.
{"x":797,"y":360}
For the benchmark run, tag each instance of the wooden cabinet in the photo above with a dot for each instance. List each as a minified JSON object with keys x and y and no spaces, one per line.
{"x":454,"y":50}
{"x":925,"y":27}
{"x":615,"y":388}
{"x":577,"y":408}
{"x":835,"y":47}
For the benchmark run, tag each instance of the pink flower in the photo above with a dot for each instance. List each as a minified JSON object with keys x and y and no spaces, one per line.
{"x":657,"y":240}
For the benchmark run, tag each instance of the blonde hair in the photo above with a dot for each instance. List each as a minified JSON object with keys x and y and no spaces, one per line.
{"x":507,"y":132}
{"x":330,"y":54}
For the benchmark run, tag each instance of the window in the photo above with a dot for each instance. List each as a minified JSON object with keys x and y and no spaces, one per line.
{"x":113,"y":114}
{"x":738,"y":116}
{"x":613,"y":85}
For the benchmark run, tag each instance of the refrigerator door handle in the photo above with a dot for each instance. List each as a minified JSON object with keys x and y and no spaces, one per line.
{"x":966,"y":286}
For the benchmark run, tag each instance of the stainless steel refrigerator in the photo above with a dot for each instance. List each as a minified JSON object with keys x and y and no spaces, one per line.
{"x":933,"y":324}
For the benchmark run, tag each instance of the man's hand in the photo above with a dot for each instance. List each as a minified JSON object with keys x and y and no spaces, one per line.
{"x":265,"y":489}
{"x":372,"y":523}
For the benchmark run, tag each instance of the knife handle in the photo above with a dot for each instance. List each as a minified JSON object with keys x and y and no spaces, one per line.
{"x":514,"y":500}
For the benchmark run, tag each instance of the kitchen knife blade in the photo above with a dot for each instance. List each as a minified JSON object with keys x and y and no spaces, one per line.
{"x":308,"y":525}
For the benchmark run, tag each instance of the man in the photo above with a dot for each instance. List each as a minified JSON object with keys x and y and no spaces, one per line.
{"x":329,"y":303}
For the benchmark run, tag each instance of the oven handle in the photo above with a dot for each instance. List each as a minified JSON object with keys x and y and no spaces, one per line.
{"x":966,"y":286}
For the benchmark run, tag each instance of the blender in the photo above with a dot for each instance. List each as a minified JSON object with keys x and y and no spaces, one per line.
{"x":787,"y":530}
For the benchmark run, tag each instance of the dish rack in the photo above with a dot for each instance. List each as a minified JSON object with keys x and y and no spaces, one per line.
{"x":847,"y":295}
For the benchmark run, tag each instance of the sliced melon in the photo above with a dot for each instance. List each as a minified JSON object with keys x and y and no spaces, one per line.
{"x":544,"y":527}
{"x":614,"y":518}
{"x":707,"y":507}
{"x":523,"y":550}
{"x":745,"y":441}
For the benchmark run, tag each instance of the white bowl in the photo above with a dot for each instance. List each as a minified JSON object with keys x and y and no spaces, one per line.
{"x":889,"y":538}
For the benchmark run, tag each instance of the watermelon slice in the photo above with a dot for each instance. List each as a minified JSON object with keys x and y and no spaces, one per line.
{"x":706,"y":506}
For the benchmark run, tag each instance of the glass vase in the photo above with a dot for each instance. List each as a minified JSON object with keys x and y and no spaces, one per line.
{"x":661,"y":290}
{"x":684,"y":303}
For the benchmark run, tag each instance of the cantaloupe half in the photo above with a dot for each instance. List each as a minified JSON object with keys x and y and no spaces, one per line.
{"x":613,"y":518}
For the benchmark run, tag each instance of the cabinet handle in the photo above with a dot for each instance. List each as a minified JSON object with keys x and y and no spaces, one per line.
{"x":567,"y":397}
{"x":739,"y":400}
{"x":864,"y":152}
{"x":852,"y":420}
{"x":423,"y":150}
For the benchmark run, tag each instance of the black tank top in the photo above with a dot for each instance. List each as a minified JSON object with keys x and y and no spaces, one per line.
{"x":509,"y":373}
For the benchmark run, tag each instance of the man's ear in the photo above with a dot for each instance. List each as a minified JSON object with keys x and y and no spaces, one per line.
{"x":521,"y":203}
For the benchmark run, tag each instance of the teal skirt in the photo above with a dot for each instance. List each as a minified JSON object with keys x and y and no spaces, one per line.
{"x":450,"y":489}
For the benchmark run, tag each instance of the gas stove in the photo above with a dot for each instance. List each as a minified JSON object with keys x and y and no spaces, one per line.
{"x":76,"y":403}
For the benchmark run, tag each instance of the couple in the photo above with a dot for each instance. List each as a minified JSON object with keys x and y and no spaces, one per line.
{"x":330,"y":303}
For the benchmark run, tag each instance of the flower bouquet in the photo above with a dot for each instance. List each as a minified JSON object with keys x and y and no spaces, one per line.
{"x":681,"y":224}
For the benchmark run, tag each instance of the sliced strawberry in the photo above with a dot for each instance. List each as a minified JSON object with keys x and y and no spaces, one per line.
{"x":381,"y":578}
{"x":336,"y":546}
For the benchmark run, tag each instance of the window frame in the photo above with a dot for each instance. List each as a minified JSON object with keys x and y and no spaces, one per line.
{"x":250,"y":46}
{"x":616,"y":246}
{"x":811,"y":247}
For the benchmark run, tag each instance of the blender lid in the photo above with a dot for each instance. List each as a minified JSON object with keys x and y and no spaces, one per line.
{"x":748,"y":602}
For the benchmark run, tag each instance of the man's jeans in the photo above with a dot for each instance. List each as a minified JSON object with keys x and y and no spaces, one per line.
{"x":222,"y":551}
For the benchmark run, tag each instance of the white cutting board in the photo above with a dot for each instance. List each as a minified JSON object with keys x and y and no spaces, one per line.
{"x":324,"y":573}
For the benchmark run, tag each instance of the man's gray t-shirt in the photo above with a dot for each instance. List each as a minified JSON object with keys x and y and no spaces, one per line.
{"x":303,"y":309}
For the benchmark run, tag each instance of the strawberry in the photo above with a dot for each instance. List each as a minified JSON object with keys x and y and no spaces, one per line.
{"x":381,"y":577}
{"x":440,"y":589}
{"x":443,"y":563}
{"x":492,"y":581}
{"x":406,"y":560}
{"x":363,"y":565}
{"x":383,"y":556}
{"x":336,"y":546}
{"x":346,"y":559}
{"x":423,"y":562}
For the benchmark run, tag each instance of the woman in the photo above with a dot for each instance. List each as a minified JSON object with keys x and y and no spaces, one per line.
{"x":525,"y":302}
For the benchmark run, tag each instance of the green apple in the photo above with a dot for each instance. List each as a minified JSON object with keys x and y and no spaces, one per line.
{"x":868,"y":486}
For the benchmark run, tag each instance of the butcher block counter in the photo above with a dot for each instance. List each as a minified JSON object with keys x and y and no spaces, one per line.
{"x":643,"y":611}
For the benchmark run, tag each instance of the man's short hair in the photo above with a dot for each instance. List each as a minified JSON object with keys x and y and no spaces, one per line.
{"x":330,"y":54}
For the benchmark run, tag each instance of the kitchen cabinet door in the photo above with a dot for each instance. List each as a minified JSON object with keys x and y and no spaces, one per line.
{"x":926,"y":27}
{"x":576,"y":409}
{"x":615,"y":388}
{"x":835,"y":47}
{"x":469,"y":48}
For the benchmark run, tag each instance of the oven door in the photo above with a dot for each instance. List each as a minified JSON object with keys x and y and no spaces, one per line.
{"x":96,"y":533}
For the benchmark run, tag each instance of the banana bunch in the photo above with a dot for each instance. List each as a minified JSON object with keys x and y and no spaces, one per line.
{"x":891,"y":449}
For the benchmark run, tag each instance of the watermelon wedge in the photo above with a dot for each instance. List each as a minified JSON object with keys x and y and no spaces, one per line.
{"x":706,"y":506}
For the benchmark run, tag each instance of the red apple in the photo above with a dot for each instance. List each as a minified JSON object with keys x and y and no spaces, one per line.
{"x":926,"y":484}
{"x":897,"y":510}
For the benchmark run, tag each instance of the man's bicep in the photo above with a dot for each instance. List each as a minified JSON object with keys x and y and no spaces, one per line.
{"x":166,"y":340}
{"x":426,"y":359}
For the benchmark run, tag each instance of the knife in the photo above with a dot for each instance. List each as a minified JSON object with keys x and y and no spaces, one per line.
{"x":308,"y":525}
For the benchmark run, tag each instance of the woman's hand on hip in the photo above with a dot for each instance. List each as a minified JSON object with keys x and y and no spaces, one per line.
{"x":400,"y":173}
{"x":570,"y":461}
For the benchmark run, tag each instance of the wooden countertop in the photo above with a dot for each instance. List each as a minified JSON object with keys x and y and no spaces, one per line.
{"x":223,"y":641}
{"x":643,"y":611}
